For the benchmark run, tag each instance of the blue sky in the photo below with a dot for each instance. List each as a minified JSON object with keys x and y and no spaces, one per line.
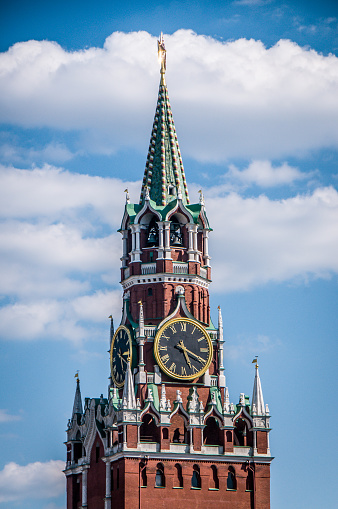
{"x":254,"y":92}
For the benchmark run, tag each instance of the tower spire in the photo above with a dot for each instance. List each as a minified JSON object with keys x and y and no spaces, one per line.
{"x":257,"y":394}
{"x":77,"y":407}
{"x":164,"y":173}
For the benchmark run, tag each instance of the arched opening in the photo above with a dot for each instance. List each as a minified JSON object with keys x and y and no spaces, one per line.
{"x":175,"y":232}
{"x":152,"y":234}
{"x":160,"y":478}
{"x":231,"y":480}
{"x":148,"y":430}
{"x":165,"y":433}
{"x":229,"y":436}
{"x":178,"y":481}
{"x":242,"y":436}
{"x":178,"y":430}
{"x":214,"y":482}
{"x":143,"y":475}
{"x":196,"y":477}
{"x":211,"y":432}
{"x":97,"y":452}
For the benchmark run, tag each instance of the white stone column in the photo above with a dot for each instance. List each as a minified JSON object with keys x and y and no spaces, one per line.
{"x":107,"y":500}
{"x":191,"y":253}
{"x":206,"y":256}
{"x":84,"y":488}
{"x":160,"y":240}
{"x":132,"y":243}
{"x":124,"y":247}
{"x":167,"y":250}
{"x":137,"y":230}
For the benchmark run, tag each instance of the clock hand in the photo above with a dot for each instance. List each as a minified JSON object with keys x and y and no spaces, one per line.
{"x":181,"y":346}
{"x":200,"y":359}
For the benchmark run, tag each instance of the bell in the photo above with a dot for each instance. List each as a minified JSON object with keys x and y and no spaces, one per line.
{"x":152,"y":237}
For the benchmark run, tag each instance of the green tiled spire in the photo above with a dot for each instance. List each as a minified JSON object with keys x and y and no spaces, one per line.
{"x":164,"y":172}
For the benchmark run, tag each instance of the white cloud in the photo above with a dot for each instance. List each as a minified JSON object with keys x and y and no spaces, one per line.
{"x":6,"y":417}
{"x":258,"y":240}
{"x":233,"y":99}
{"x":32,"y":481}
{"x":76,"y":320}
{"x":264,"y":174}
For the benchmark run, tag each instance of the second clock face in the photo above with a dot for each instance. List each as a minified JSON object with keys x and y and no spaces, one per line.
{"x":120,"y":355}
{"x":183,"y":349}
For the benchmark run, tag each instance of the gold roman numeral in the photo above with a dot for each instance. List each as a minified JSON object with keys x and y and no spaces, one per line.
{"x":163,"y":347}
{"x":204,"y":349}
{"x":173,"y":329}
{"x":165,"y":337}
{"x":183,"y":326}
{"x":165,"y":358}
{"x":193,"y":330}
{"x":194,"y":368}
{"x":183,"y":371}
{"x":201,"y":339}
{"x":173,"y":367}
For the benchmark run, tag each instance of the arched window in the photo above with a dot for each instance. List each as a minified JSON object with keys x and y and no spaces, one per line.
{"x":231,"y":480}
{"x":152,"y":237}
{"x":229,"y":436}
{"x":214,"y":482}
{"x":148,"y":431}
{"x":143,"y":475}
{"x":196,"y":477}
{"x":159,"y":478}
{"x":211,"y":432}
{"x":179,"y":477}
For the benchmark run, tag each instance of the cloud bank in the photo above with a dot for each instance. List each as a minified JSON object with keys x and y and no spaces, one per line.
{"x":60,"y":254}
{"x":232,"y":99}
{"x":32,"y":481}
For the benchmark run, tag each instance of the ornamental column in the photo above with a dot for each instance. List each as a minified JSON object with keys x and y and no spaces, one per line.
{"x":107,"y":500}
{"x":84,"y":488}
{"x":160,"y":240}
{"x":206,"y":256}
{"x":167,"y":250}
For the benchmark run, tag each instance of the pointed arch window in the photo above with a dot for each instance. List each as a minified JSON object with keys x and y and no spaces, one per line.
{"x":196,"y":478}
{"x":231,"y":480}
{"x":160,"y":478}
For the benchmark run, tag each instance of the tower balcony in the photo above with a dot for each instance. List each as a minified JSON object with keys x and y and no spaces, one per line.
{"x":178,"y":268}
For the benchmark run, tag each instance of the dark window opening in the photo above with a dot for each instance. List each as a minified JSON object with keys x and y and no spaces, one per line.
{"x":211,"y":432}
{"x":196,"y":478}
{"x":165,"y":434}
{"x":231,"y":480}
{"x":148,"y":430}
{"x":214,"y":478}
{"x":159,"y":478}
{"x":179,"y":476}
{"x":97,"y":451}
{"x":250,"y":481}
{"x":152,"y":239}
{"x":150,"y":291}
{"x":143,"y":470}
{"x":175,"y":233}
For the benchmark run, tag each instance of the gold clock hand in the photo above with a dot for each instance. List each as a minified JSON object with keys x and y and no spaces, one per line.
{"x":183,"y":348}
{"x":200,"y":359}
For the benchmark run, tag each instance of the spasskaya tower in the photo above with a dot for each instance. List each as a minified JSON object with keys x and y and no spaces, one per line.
{"x":167,"y":434}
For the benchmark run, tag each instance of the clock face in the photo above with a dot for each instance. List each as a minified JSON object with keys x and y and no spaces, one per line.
{"x":120,"y":355}
{"x":183,"y":349}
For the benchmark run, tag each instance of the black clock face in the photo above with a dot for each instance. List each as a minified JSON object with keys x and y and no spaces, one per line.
{"x":120,"y":355}
{"x":183,"y":349}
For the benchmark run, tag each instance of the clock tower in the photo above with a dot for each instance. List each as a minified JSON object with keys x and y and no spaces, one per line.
{"x":167,"y":434}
